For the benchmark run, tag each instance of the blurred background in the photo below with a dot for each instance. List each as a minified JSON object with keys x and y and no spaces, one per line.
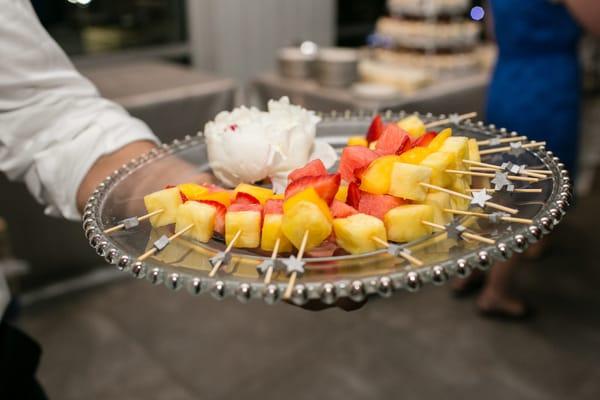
{"x":175,"y":64}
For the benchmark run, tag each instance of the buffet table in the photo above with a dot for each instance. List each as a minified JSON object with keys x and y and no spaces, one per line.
{"x":456,"y":96}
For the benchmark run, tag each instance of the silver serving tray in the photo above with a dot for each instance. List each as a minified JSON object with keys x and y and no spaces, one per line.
{"x":184,"y":264}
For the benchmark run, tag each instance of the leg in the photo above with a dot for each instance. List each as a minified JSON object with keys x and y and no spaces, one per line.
{"x":496,"y":297}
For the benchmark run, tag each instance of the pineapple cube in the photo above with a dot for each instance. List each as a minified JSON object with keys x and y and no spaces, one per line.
{"x":376,"y":178}
{"x":201,"y":215}
{"x":358,"y":141}
{"x":355,"y":233}
{"x":302,"y":216}
{"x":459,"y":146}
{"x":259,"y":193}
{"x":248,"y":222}
{"x":311,"y":196}
{"x":473,"y":151}
{"x":439,"y":201}
{"x":406,"y":179}
{"x":271,"y":231}
{"x":439,"y":162}
{"x":403,"y":223}
{"x":167,"y":200}
{"x":413,"y":125}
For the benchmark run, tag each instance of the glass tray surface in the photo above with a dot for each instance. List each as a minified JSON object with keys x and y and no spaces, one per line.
{"x":185,"y":264}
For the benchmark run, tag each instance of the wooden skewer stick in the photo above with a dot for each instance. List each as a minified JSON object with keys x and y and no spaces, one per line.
{"x":527,"y":173}
{"x":449,"y":120}
{"x":487,"y":175}
{"x":227,"y":250}
{"x":464,"y":196}
{"x":508,"y":148}
{"x":269,"y":272}
{"x":484,"y":215}
{"x":468,"y":235}
{"x":294,"y":274}
{"x":140,"y":219}
{"x":504,"y":140}
{"x":486,"y":166}
{"x":404,"y":254}
{"x":515,"y":190}
{"x":174,"y":236}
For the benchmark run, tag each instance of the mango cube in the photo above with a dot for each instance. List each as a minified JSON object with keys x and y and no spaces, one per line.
{"x":192,"y":191}
{"x":439,"y":162}
{"x":377,"y":177}
{"x":305,"y":216}
{"x":358,"y":141}
{"x":355,"y":233}
{"x":201,"y":215}
{"x":439,"y":139}
{"x":403,"y":223}
{"x":167,"y":200}
{"x":406,"y":179}
{"x":415,"y":155}
{"x":311,"y":196}
{"x":248,"y":222}
{"x":259,"y":193}
{"x":413,"y":125}
{"x":271,"y":231}
{"x":342,"y":193}
{"x":438,"y":202}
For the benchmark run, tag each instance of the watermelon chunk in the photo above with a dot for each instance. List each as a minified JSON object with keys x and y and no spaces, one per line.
{"x":341,"y":210}
{"x":424,"y":140}
{"x":378,"y":205}
{"x":312,"y":168}
{"x":274,"y":206}
{"x":245,"y":198}
{"x":220,"y":217}
{"x":354,"y":158}
{"x":375,"y":129}
{"x":353,"y":197}
{"x":393,"y":140}
{"x":325,"y":186}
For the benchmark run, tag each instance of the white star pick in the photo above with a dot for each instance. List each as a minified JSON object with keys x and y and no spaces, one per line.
{"x":454,"y":119}
{"x":479,"y":198}
{"x":501,"y":181}
{"x":292,"y":264}
{"x":516,"y":149}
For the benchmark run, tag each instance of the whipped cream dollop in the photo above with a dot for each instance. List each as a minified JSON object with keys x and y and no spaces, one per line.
{"x":249,"y":145}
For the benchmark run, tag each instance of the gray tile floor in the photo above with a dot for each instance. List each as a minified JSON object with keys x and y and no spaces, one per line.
{"x":129,"y":340}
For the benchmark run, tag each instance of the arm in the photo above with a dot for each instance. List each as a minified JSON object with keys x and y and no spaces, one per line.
{"x":58,"y":134}
{"x":587,"y":13}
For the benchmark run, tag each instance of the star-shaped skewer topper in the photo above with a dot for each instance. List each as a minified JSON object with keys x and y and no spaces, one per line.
{"x":130,"y":223}
{"x":221,"y":258}
{"x":480,"y":197}
{"x":501,"y":181}
{"x":516,"y":149}
{"x":293,"y":264}
{"x":455,"y":230}
{"x":161,"y":243}
{"x":497,"y":216}
{"x":514,"y":168}
{"x":264,"y":266}
{"x":454,"y":119}
{"x":396,"y":250}
{"x":495,"y":141}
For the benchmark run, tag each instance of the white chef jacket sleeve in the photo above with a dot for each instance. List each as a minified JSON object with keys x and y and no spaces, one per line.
{"x":53,"y":123}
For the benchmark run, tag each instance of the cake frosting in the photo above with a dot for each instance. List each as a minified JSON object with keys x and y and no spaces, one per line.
{"x":249,"y":145}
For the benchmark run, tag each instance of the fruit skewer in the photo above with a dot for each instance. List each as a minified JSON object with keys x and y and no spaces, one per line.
{"x":518,"y":190}
{"x":493,"y":142}
{"x":474,"y":199}
{"x":451,"y":119}
{"x":487,"y":175}
{"x":273,"y":260}
{"x":510,"y":148}
{"x":223,"y":257}
{"x":295,"y":266}
{"x":131,"y":222}
{"x":541,"y":174}
{"x":163,"y":242}
{"x":458,"y":230}
{"x":492,"y":216}
{"x":404,"y":253}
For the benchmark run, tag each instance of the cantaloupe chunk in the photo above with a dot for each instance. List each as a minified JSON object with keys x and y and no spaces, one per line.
{"x":406,"y":179}
{"x":403,"y":223}
{"x":201,"y":215}
{"x":355,"y":233}
{"x":167,"y":200}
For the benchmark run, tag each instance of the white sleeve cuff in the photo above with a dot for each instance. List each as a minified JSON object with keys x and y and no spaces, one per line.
{"x":58,"y":171}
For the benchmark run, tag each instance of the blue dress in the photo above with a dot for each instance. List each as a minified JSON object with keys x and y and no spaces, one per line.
{"x":536,"y":88}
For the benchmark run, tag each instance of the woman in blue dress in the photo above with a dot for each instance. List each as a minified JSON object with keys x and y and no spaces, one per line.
{"x":536,"y":91}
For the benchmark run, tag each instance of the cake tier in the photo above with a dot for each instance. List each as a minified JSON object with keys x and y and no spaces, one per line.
{"x":429,"y":35}
{"x":424,"y":8}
